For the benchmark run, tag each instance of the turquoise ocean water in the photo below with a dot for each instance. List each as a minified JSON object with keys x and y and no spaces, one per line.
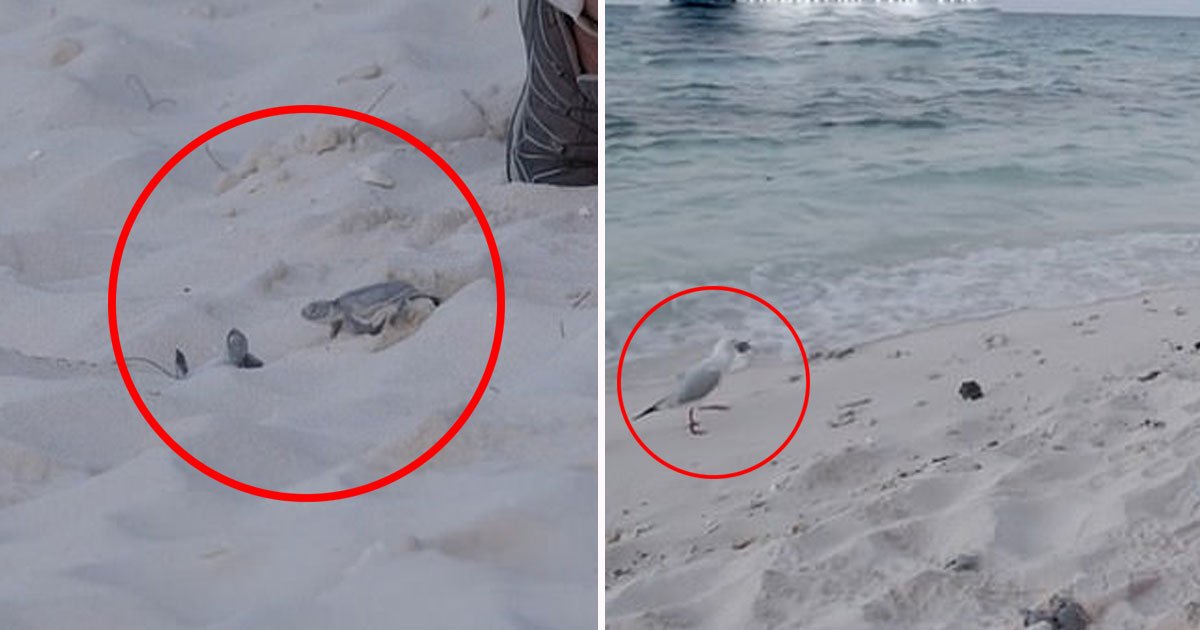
{"x":877,"y":169}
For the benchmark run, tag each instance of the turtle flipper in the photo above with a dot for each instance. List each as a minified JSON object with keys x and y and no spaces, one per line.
{"x":181,"y":366}
{"x":370,"y":325}
{"x":236,"y":346}
{"x":238,"y":350}
{"x":250,"y":361}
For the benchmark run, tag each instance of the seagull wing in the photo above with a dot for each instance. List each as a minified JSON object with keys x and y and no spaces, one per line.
{"x":696,"y":384}
{"x":693,"y":385}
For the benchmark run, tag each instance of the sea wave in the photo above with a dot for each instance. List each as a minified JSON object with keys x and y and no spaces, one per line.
{"x":877,"y":302}
{"x":872,"y":170}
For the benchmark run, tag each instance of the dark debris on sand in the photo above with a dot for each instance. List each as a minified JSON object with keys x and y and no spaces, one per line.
{"x":1061,"y":613}
{"x":970,"y":390}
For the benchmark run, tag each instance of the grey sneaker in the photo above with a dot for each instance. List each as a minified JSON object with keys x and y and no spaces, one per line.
{"x":552,"y":138}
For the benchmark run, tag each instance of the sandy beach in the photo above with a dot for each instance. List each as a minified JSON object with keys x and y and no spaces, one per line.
{"x":101,"y":525}
{"x":902,"y":504}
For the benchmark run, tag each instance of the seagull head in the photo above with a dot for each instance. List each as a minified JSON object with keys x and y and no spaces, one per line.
{"x":731,"y":347}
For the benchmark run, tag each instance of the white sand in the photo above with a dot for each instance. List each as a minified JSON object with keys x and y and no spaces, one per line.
{"x":1076,"y":473}
{"x":101,"y":526}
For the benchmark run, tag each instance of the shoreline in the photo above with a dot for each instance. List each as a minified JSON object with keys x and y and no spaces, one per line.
{"x":821,"y":352}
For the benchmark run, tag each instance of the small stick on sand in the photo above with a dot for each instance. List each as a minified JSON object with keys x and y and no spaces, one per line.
{"x":220,"y":166}
{"x":354,"y":129}
{"x":181,"y":369}
{"x":581,"y":299}
{"x":136,"y":84}
{"x":492,"y":130}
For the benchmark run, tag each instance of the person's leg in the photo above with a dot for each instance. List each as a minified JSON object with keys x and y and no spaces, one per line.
{"x":587,"y":44}
{"x":552,"y":138}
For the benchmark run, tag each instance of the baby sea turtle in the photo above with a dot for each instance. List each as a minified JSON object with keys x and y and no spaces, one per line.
{"x":237,"y":350}
{"x":366,"y":310}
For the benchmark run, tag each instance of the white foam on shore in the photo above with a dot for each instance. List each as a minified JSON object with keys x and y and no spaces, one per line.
{"x":837,"y":311}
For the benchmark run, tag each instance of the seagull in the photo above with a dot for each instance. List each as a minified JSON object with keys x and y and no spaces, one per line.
{"x":699,"y":381}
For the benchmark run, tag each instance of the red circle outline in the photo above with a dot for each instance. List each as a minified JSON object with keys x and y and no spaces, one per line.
{"x":621,"y":367}
{"x":120,"y":355}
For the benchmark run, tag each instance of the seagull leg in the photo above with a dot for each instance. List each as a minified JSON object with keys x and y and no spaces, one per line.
{"x":693,"y":423}
{"x":715,"y":408}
